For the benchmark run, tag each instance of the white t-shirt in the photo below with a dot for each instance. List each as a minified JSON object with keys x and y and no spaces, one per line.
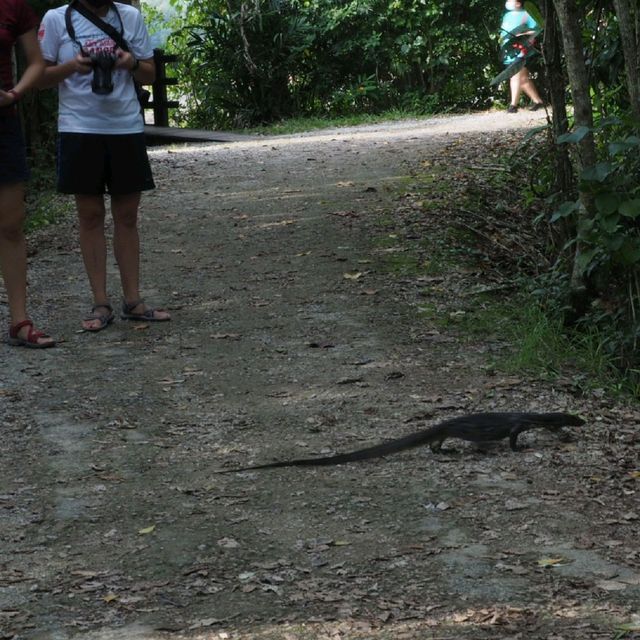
{"x":81,"y":110}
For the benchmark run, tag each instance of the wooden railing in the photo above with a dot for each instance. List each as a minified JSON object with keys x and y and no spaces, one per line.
{"x":160,"y":104}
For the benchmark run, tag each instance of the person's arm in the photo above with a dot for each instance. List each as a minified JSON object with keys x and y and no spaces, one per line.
{"x":54,"y":73}
{"x":530,"y":26}
{"x":32,"y":74}
{"x":50,"y":38}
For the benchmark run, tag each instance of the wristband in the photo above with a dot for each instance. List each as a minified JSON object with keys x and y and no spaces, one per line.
{"x":136,"y":64}
{"x":15,"y":94}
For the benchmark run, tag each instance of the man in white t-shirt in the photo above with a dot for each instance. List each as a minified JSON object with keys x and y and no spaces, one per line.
{"x":101,"y":146}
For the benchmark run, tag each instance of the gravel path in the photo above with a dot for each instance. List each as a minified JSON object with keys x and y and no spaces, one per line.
{"x":291,"y":338}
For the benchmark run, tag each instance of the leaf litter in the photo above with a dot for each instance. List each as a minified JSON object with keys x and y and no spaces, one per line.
{"x":413,"y":546}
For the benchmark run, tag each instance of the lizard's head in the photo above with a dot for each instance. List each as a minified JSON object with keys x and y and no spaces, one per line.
{"x":563,"y":420}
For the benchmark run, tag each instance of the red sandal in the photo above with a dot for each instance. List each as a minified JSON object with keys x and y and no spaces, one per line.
{"x":33,"y":336}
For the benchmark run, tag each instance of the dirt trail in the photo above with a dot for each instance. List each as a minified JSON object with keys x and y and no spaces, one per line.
{"x":290,"y":338}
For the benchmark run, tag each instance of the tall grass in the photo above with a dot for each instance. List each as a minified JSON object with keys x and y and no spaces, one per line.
{"x":540,"y":344}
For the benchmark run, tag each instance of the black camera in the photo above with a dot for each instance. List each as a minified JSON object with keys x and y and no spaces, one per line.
{"x":103,"y":62}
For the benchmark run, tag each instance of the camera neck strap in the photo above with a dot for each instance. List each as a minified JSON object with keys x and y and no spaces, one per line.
{"x":112,"y":32}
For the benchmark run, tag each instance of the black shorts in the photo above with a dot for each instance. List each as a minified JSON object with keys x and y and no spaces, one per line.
{"x":94,"y":163}
{"x":13,"y":157}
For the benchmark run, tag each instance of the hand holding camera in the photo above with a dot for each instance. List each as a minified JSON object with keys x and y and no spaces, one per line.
{"x":126,"y":60}
{"x":81,"y":63}
{"x":101,"y":63}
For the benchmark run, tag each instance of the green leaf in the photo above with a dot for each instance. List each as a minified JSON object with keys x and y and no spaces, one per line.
{"x":630,"y":208}
{"x":585,"y":227}
{"x":534,"y":12}
{"x":584,"y":259}
{"x":607,"y":203}
{"x":610,"y":121}
{"x":147,"y":530}
{"x":610,"y":223}
{"x":598,"y":173}
{"x":534,"y":131}
{"x":629,"y":253}
{"x":511,"y":70}
{"x":574,"y":136}
{"x":621,"y":146}
{"x":623,"y":630}
{"x":565,"y":210}
{"x":552,"y":562}
{"x":614,"y":243}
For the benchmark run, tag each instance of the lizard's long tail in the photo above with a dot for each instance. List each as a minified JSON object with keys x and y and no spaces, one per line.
{"x":386,"y":448}
{"x":427,"y":436}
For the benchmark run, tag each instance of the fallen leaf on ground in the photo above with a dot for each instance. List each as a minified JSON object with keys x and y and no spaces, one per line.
{"x":553,"y":562}
{"x":280,"y":223}
{"x":147,"y":530}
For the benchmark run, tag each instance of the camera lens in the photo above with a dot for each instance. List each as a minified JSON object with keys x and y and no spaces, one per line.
{"x":102,"y":82}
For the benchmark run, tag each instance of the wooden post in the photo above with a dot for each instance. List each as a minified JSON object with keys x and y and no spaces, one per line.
{"x":161,"y":104}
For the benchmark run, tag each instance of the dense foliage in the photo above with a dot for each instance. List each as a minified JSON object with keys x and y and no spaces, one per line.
{"x":596,"y":278}
{"x":250,"y":63}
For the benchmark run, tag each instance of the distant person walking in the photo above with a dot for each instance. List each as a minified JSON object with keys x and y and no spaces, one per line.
{"x":94,"y":50}
{"x":17,"y":25}
{"x":517,"y":22}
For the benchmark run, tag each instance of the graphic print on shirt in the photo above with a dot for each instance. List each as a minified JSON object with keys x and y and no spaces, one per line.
{"x":94,"y":46}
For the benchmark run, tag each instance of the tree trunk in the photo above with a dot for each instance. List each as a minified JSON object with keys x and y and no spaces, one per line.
{"x":567,"y":12}
{"x":629,"y":33}
{"x":557,"y":83}
{"x":578,"y":76}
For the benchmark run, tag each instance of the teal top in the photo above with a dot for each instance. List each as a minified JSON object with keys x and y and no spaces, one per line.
{"x":513,"y":23}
